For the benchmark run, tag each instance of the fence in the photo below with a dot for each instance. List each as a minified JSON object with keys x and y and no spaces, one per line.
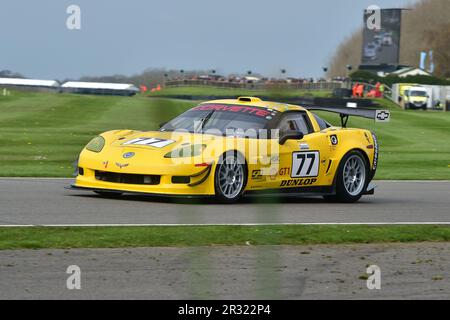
{"x":368,"y":86}
{"x":256,"y":85}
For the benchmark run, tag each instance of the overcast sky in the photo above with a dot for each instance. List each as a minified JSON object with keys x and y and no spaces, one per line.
{"x":129,"y":36}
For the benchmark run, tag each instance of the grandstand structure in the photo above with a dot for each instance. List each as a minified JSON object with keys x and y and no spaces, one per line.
{"x":30,"y":84}
{"x":102,"y":88}
{"x":99,"y":88}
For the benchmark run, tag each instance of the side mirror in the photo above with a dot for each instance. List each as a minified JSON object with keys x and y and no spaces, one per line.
{"x":162,"y":124}
{"x":290,"y":135}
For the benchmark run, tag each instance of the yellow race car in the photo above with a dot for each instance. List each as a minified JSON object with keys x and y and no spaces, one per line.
{"x":228,"y":148}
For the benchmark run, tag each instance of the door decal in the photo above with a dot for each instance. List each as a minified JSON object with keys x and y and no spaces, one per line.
{"x":305,"y":164}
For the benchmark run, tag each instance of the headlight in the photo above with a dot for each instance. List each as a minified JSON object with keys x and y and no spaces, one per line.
{"x":96,"y":144}
{"x":188,"y":151}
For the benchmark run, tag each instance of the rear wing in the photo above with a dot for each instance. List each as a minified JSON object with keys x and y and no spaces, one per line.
{"x":345,"y":112}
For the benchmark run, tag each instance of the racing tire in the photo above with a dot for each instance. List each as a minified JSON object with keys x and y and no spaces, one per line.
{"x":352,"y":178}
{"x":230,"y":177}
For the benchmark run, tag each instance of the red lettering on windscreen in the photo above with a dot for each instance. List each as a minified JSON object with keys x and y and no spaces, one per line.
{"x":259,"y":112}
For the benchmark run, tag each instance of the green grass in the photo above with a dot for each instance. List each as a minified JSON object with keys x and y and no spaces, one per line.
{"x":414,"y":145}
{"x":117,"y":237}
{"x":41,"y":134}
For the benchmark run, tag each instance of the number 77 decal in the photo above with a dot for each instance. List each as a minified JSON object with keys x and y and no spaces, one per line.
{"x":305,"y":164}
{"x":158,"y":143}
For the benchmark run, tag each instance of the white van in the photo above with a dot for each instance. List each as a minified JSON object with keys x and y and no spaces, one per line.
{"x":416,"y":98}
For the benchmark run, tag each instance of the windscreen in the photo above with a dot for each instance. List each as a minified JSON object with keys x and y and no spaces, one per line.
{"x":418,"y":93}
{"x":221,"y":117}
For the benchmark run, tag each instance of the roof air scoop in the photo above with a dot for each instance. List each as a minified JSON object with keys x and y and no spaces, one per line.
{"x":248,"y":99}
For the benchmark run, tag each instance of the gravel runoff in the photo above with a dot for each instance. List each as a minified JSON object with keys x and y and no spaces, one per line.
{"x":408,"y":271}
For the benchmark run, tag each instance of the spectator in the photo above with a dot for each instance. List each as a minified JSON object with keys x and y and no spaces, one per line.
{"x":355,"y":89}
{"x":381,"y":89}
{"x":360,"y":91}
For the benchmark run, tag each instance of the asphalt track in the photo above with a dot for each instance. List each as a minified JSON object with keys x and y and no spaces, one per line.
{"x":35,"y":201}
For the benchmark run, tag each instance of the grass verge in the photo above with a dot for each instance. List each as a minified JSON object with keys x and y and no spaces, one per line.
{"x":42,"y":134}
{"x":184,"y":236}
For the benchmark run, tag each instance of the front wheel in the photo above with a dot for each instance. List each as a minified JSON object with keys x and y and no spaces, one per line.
{"x":352,"y":177}
{"x":230,"y":177}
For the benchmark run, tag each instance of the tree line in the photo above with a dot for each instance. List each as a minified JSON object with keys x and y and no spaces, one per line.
{"x":425,"y":27}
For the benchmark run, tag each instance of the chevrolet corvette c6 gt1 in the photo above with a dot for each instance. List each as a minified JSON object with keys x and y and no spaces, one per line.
{"x":227,"y":148}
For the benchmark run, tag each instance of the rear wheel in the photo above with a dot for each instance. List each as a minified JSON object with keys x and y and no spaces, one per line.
{"x":351,"y":179}
{"x":230,"y":177}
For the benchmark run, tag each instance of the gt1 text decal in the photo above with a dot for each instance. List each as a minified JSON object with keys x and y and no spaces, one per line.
{"x":153,"y":142}
{"x":305,"y":164}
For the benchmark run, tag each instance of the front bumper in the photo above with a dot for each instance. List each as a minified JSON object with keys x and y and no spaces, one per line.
{"x":151,"y":194}
{"x":417,"y":105}
{"x":199,"y":182}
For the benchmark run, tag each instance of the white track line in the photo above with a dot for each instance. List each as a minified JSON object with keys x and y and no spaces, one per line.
{"x":223,"y":224}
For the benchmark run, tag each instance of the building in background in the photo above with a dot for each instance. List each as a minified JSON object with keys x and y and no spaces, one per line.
{"x":410,"y":71}
{"x":118,"y":89}
{"x":29,"y":84}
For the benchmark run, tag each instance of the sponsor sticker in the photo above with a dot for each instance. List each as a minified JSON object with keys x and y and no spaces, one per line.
{"x":304,"y":146}
{"x":151,"y":142}
{"x":256,"y":111}
{"x":274,"y":174}
{"x":298,"y":182}
{"x":122,"y":165}
{"x":382,"y":116}
{"x":128,"y":155}
{"x":375,"y":154}
{"x":257,"y":175}
{"x":334,"y":139}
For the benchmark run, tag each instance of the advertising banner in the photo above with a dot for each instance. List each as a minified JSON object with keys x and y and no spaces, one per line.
{"x":381,"y":36}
